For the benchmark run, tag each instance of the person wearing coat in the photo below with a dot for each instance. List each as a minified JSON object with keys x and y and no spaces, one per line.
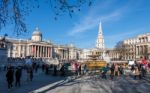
{"x":10,"y":77}
{"x":136,"y":72}
{"x":18,"y":77}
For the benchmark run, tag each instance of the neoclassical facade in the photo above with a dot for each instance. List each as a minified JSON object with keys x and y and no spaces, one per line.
{"x":34,"y":47}
{"x":112,"y":54}
{"x":38,"y":48}
{"x":138,"y":47}
{"x":66,"y":52}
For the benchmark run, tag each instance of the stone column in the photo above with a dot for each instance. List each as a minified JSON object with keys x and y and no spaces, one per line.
{"x":35,"y":51}
{"x":32,"y":50}
{"x":51,"y":52}
{"x":29,"y":50}
{"x":38,"y":51}
{"x":46,"y":52}
{"x":142,"y":48}
{"x":146,"y":49}
{"x":139,"y":50}
{"x":42,"y":51}
{"x":136,"y":51}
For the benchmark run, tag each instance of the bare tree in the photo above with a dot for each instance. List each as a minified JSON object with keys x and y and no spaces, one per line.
{"x":122,"y":49}
{"x":14,"y":11}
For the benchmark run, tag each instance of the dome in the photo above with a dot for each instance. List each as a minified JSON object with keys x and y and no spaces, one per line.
{"x":37,"y":32}
{"x":37,"y":35}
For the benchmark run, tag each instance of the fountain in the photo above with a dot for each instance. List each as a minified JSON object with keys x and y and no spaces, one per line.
{"x":94,"y":62}
{"x":106,"y":58}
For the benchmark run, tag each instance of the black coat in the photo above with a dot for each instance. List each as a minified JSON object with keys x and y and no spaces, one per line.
{"x":18,"y":74}
{"x":10,"y":75}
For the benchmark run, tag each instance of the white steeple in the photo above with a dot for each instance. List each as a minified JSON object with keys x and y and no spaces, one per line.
{"x":100,"y":39}
{"x":100,"y":28}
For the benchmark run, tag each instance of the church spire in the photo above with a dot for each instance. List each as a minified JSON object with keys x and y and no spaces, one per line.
{"x":100,"y":28}
{"x":100,"y":39}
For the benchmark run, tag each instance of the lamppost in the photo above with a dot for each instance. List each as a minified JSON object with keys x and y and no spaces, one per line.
{"x":3,"y":50}
{"x":3,"y":41}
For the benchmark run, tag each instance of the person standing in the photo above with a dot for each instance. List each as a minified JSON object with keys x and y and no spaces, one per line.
{"x":31,"y":74}
{"x":144,"y":66}
{"x":76,"y":68}
{"x":104,"y":71}
{"x":62,"y":70}
{"x":46,"y":69}
{"x":18,"y":76}
{"x":54,"y":70}
{"x":85,"y":69}
{"x":43,"y":67}
{"x":116,"y":70}
{"x":10,"y":77}
{"x":79,"y":70}
{"x":112,"y":69}
{"x":121,"y":70}
{"x":136,"y":72}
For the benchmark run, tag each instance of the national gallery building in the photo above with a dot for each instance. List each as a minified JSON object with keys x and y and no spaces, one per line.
{"x":37,"y":48}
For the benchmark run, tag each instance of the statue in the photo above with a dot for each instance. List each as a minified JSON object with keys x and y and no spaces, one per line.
{"x":3,"y":41}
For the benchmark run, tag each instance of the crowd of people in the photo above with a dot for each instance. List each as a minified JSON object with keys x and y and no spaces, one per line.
{"x":138,"y":69}
{"x":10,"y":76}
{"x":28,"y":68}
{"x":14,"y":72}
{"x":111,"y":70}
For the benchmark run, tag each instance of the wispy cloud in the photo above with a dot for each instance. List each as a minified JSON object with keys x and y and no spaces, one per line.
{"x":97,"y":13}
{"x":111,"y":40}
{"x":82,"y":44}
{"x":92,"y":20}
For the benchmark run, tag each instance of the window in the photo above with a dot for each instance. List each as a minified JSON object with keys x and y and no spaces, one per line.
{"x":14,"y":47}
{"x":11,"y":47}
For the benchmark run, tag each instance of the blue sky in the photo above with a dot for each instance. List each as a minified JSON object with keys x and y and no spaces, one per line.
{"x":121,"y":19}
